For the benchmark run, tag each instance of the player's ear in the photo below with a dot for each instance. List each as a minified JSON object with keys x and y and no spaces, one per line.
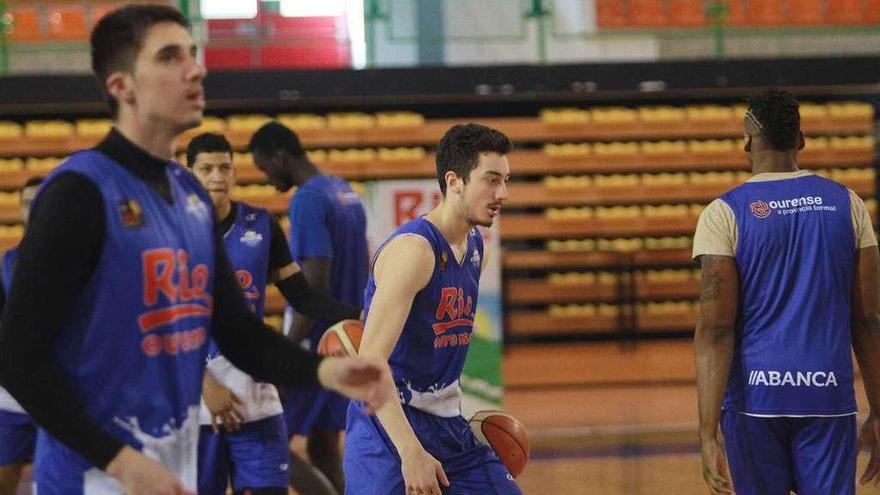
{"x":801,"y":142}
{"x":453,"y":182}
{"x":120,"y":86}
{"x":748,"y":143}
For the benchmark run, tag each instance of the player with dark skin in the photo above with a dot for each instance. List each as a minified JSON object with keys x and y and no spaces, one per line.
{"x":720,"y":301}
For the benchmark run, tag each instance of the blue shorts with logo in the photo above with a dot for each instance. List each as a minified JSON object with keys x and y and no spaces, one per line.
{"x":18,"y":438}
{"x":773,"y":456}
{"x":372,"y":466}
{"x":255,"y":456}
{"x":308,"y":408}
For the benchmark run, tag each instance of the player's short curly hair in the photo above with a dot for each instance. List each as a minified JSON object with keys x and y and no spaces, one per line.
{"x":778,"y":113}
{"x":460,"y":149}
{"x":119,"y":36}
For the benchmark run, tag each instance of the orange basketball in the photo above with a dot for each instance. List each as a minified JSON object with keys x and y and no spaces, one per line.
{"x":342,"y":339}
{"x":505,"y":435}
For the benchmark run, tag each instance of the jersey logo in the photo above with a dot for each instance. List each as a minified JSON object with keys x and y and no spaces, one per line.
{"x":251,"y":238}
{"x":131,"y":213}
{"x":760,"y":209}
{"x":453,"y":311}
{"x":475,"y":259}
{"x":196,"y":207}
{"x":172,"y":293}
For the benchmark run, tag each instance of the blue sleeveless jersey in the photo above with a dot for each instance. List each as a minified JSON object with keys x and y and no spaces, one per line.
{"x":134,"y":345}
{"x":8,"y":264}
{"x":247,"y":246}
{"x":7,"y":402}
{"x":429,"y":356}
{"x":795,"y":256}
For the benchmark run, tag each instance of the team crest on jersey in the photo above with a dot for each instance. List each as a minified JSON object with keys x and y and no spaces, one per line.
{"x":475,"y":259}
{"x":131,"y":213}
{"x":251,"y":238}
{"x":760,"y":209}
{"x":196,"y":206}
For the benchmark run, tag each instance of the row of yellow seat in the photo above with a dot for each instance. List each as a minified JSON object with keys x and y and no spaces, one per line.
{"x":693,"y":113}
{"x":695,"y":146}
{"x":360,"y":120}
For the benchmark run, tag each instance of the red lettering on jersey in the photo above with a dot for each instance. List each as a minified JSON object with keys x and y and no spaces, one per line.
{"x":159,"y":267}
{"x":469,"y":309}
{"x":158,"y":270}
{"x":199,"y":281}
{"x":245,"y":279}
{"x":152,"y":345}
{"x":183,"y":275}
{"x":407,"y":205}
{"x":447,"y":303}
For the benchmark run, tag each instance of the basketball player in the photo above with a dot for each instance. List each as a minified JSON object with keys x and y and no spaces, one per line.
{"x":18,"y":434}
{"x":789,"y":267}
{"x":420,"y":303}
{"x":121,"y":280}
{"x":252,"y":450}
{"x":328,"y":239}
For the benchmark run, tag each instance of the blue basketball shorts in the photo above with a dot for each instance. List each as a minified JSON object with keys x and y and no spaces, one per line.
{"x":255,"y":456}
{"x":308,"y":408}
{"x":18,"y":437}
{"x":372,"y":466}
{"x":773,"y":456}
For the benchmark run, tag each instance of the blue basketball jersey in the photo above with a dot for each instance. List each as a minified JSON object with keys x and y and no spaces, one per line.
{"x":795,"y":256}
{"x":429,"y":356}
{"x":327,"y":220}
{"x":7,"y":402}
{"x":134,"y":345}
{"x":8,"y":265}
{"x":247,"y":246}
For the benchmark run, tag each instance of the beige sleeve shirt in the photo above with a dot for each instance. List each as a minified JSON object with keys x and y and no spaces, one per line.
{"x":716,"y":232}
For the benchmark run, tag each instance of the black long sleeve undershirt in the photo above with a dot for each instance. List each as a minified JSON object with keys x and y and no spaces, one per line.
{"x":58,"y":256}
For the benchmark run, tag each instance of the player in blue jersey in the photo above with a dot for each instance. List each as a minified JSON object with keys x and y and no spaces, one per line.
{"x":328,"y":239}
{"x":420,"y":303}
{"x":250,"y":447}
{"x":122,"y":278}
{"x":18,"y":434}
{"x":789,"y":288}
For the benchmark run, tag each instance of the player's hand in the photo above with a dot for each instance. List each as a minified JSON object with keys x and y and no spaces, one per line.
{"x":715,"y":466}
{"x":360,"y":378}
{"x":869,"y":438}
{"x":222,"y":404}
{"x":140,"y":475}
{"x":422,"y":473}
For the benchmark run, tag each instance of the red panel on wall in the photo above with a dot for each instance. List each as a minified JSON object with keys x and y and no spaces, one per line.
{"x":222,"y":57}
{"x":305,"y":56}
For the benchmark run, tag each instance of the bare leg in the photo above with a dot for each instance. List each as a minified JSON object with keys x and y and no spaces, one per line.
{"x":9,"y":476}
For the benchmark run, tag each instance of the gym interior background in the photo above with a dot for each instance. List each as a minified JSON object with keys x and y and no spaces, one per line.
{"x":627,"y":121}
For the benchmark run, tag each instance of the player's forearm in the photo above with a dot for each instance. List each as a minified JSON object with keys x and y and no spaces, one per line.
{"x":300,"y":327}
{"x":713,"y":352}
{"x":313,"y":302}
{"x":866,"y":346}
{"x":398,"y":428}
